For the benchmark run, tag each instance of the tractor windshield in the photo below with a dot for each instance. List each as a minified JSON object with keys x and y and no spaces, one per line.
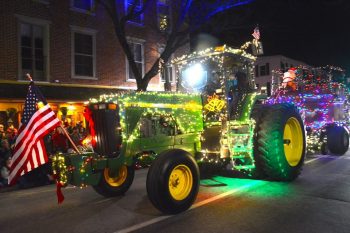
{"x":221,"y":79}
{"x":208,"y":75}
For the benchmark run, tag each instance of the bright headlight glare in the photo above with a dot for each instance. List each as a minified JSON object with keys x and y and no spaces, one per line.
{"x":194,"y":77}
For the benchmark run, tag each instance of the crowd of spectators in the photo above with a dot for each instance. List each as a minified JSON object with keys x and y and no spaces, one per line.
{"x":55,"y":142}
{"x":7,"y":139}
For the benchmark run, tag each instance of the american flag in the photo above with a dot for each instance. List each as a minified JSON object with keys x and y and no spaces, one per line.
{"x":256,"y":33}
{"x":37,"y":121}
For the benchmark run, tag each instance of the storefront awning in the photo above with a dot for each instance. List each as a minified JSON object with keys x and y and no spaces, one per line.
{"x":55,"y":92}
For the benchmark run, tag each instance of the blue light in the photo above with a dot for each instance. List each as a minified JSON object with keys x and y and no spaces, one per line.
{"x":225,"y":7}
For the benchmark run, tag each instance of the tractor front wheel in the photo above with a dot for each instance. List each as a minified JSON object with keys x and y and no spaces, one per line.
{"x":173,"y":181}
{"x":117,"y":184}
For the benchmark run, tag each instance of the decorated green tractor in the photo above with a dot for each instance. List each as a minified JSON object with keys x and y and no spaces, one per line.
{"x":215,"y":119}
{"x":322,"y":98}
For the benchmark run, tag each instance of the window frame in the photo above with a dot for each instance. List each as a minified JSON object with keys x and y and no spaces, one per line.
{"x":142,"y":43}
{"x":80,"y":10}
{"x":257,"y":71}
{"x":262,"y":70}
{"x":126,"y":7}
{"x":46,"y":2}
{"x":267,"y":68}
{"x":45,"y":24}
{"x":173,"y":79}
{"x":86,"y":31}
{"x":282,"y":66}
{"x":159,"y":3}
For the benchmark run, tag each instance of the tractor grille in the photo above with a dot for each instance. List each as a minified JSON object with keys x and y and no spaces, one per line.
{"x":107,"y":127}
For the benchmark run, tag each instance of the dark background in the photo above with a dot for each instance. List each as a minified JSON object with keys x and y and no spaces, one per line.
{"x":314,"y":31}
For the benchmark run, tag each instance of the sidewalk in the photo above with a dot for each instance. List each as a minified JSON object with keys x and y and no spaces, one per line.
{"x":8,"y":189}
{"x":26,"y":185}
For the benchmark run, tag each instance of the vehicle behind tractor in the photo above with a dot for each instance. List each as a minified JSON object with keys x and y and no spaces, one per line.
{"x":322,"y":99}
{"x":214,"y":120}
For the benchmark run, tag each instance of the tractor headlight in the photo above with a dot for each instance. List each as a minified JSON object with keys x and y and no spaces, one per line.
{"x":194,"y":77}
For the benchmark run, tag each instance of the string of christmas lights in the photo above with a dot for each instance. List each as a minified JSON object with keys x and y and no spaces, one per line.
{"x":320,"y":99}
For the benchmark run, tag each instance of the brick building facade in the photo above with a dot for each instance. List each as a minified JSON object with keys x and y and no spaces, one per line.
{"x":72,"y":43}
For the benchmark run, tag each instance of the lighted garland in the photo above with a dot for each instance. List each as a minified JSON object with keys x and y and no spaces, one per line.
{"x":315,"y":95}
{"x":162,"y":104}
{"x":82,"y":170}
{"x":212,"y":52}
{"x":60,"y":169}
{"x":157,"y":103}
{"x":214,"y":105}
{"x":63,"y":171}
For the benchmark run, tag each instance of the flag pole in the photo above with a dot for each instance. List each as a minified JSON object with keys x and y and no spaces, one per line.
{"x":29,"y":77}
{"x":64,"y":130}
{"x":70,"y":139}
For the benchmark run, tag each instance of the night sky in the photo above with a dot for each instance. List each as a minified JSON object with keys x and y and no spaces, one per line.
{"x":314,"y":31}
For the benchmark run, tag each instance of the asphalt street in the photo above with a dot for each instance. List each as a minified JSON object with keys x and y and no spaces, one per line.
{"x":318,"y":201}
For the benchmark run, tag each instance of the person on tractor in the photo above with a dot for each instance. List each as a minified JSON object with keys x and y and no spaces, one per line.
{"x":289,"y":80}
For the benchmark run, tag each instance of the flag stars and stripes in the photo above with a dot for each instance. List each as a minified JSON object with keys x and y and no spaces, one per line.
{"x":29,"y":151}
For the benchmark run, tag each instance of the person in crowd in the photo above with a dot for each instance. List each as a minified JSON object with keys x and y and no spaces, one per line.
{"x":5,"y":150}
{"x":75,"y":136}
{"x":11,"y":133}
{"x":81,"y":129}
{"x":5,"y":155}
{"x":5,"y":171}
{"x":68,"y":125}
{"x":2,"y":132}
{"x":59,"y":141}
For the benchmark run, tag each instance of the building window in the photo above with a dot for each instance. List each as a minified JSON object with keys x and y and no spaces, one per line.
{"x":168,"y":71}
{"x":33,"y":50}
{"x":282,"y":66}
{"x":136,"y":6}
{"x":86,"y":6}
{"x":262,"y":70}
{"x":83,"y":54}
{"x":42,"y":1}
{"x":163,"y":12}
{"x":137,"y":49}
{"x":256,"y":71}
{"x":265,"y":69}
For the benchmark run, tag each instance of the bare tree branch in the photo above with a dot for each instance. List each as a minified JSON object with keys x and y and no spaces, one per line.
{"x":188,"y":16}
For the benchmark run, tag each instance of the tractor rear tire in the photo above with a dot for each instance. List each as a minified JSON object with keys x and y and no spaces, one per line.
{"x":324,"y":149}
{"x":281,"y":142}
{"x":173,"y":181}
{"x":337,"y":140}
{"x":115,"y":185}
{"x":257,"y":114}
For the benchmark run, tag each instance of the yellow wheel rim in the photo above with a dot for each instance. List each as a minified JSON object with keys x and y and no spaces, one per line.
{"x":118,"y":180}
{"x":180,"y":182}
{"x":293,"y":141}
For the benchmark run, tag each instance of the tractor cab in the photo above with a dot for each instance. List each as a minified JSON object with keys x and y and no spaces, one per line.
{"x":223,"y":77}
